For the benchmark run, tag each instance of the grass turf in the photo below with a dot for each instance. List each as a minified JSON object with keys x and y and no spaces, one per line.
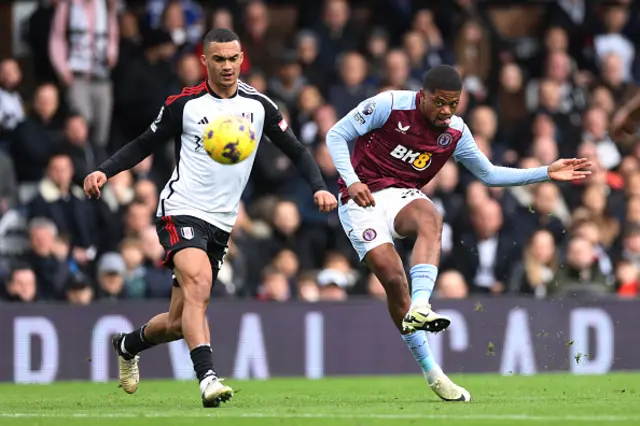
{"x":514,"y":400}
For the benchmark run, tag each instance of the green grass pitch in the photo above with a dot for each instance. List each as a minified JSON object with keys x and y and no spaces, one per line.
{"x":551,"y":399}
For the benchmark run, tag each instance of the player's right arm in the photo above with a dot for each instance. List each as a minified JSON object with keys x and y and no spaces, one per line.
{"x":370,"y":114}
{"x":166,"y":126}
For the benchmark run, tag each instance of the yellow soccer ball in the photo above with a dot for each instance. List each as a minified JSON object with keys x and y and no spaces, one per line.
{"x":229,"y":139}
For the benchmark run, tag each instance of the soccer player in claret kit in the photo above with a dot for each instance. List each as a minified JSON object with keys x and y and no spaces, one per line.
{"x":402,"y":139}
{"x":199,"y":205}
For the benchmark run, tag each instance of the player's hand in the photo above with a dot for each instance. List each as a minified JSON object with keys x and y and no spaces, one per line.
{"x":360,"y":194}
{"x":325,"y":200}
{"x":93,"y":183}
{"x":569,"y":169}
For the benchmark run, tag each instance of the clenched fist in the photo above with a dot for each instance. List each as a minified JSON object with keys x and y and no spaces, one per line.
{"x":325,"y":200}
{"x":93,"y":183}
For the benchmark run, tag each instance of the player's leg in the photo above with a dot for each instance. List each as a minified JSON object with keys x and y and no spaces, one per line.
{"x":413,"y":214}
{"x":194,"y":272}
{"x":162,"y":328}
{"x":420,"y":218}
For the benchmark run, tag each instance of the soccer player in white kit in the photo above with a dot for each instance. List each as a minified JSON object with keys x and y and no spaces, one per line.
{"x":199,"y":205}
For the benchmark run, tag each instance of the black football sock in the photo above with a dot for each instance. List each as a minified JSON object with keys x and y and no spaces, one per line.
{"x":134,"y":342}
{"x":202,"y":361}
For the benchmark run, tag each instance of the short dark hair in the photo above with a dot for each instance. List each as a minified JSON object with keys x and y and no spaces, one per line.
{"x":443,"y":77}
{"x":220,"y":35}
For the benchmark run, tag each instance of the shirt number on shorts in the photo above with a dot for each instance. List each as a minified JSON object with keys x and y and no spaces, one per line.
{"x":411,"y":193}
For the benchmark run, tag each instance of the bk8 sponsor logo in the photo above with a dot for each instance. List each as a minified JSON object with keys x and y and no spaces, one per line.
{"x":418,"y":160}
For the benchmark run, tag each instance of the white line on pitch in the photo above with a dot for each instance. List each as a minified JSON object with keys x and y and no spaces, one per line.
{"x":227,"y":414}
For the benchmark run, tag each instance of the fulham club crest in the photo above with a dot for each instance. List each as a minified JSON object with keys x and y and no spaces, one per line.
{"x":369,"y":234}
{"x":248,"y":116}
{"x":187,"y":232}
{"x":444,"y":139}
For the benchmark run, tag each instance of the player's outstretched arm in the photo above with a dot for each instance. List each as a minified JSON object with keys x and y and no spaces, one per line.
{"x":277,"y":129}
{"x":369,"y":115}
{"x":161,"y":130}
{"x":468,"y":153}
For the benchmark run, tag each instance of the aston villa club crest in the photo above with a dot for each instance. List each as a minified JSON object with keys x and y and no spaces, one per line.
{"x":444,"y":139}
{"x":369,"y":234}
{"x":248,"y":116}
{"x":187,"y":232}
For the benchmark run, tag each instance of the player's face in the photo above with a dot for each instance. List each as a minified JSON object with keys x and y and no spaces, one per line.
{"x":439,"y":106}
{"x":223,"y":62}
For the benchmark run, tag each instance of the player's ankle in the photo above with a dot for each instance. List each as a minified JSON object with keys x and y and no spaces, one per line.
{"x":202,"y":362}
{"x":420,"y":298}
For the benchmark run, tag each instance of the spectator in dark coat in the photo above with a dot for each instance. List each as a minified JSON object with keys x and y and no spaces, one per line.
{"x":37,"y":138}
{"x":67,"y":206}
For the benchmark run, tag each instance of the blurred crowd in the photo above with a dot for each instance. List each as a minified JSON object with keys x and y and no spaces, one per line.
{"x":543,"y":80}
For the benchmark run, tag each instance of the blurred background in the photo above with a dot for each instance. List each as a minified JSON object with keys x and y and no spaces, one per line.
{"x":543,"y":80}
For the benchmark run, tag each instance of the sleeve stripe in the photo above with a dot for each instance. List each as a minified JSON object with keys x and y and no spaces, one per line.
{"x":251,"y":91}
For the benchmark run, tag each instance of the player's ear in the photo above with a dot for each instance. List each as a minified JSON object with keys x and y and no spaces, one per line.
{"x":203,"y":60}
{"x":241,"y":57}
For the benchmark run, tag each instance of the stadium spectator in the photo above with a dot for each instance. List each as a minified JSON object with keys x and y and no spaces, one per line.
{"x":8,"y":183}
{"x":538,"y":268}
{"x":485,"y":255}
{"x":134,"y":275}
{"x":335,"y":32}
{"x":580,"y":272}
{"x":79,"y":290}
{"x":627,"y":279}
{"x":451,"y":285}
{"x":611,"y":40}
{"x":188,"y":71}
{"x":274,"y":286}
{"x":540,"y":215}
{"x":309,"y":102}
{"x":332,"y":284}
{"x":66,"y":205}
{"x":83,"y":46}
{"x":21,"y":286}
{"x":308,"y":50}
{"x":288,"y":81}
{"x":595,"y":125}
{"x":48,"y":258}
{"x":111,"y":277}
{"x":84,"y":155}
{"x":307,"y":288}
{"x":37,"y":138}
{"x":259,"y":42}
{"x":144,"y":84}
{"x":352,"y":87}
{"x":11,"y":104}
{"x":472,"y":50}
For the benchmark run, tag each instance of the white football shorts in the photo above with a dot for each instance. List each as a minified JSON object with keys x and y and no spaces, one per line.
{"x":367,"y":228}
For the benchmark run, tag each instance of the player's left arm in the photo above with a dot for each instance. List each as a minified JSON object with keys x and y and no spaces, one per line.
{"x":278,"y":131}
{"x":468,"y":153}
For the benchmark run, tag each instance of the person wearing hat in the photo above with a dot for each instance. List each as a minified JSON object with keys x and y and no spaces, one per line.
{"x":111,"y":269}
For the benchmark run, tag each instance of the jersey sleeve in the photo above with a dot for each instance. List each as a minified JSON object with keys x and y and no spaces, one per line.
{"x":278,"y":131}
{"x":370,"y":114}
{"x":468,"y":153}
{"x":167,"y":125}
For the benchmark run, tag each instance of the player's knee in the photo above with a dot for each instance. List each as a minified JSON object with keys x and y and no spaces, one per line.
{"x":197,"y":287}
{"x":395,"y":283}
{"x":175,"y":327}
{"x":429,"y":221}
